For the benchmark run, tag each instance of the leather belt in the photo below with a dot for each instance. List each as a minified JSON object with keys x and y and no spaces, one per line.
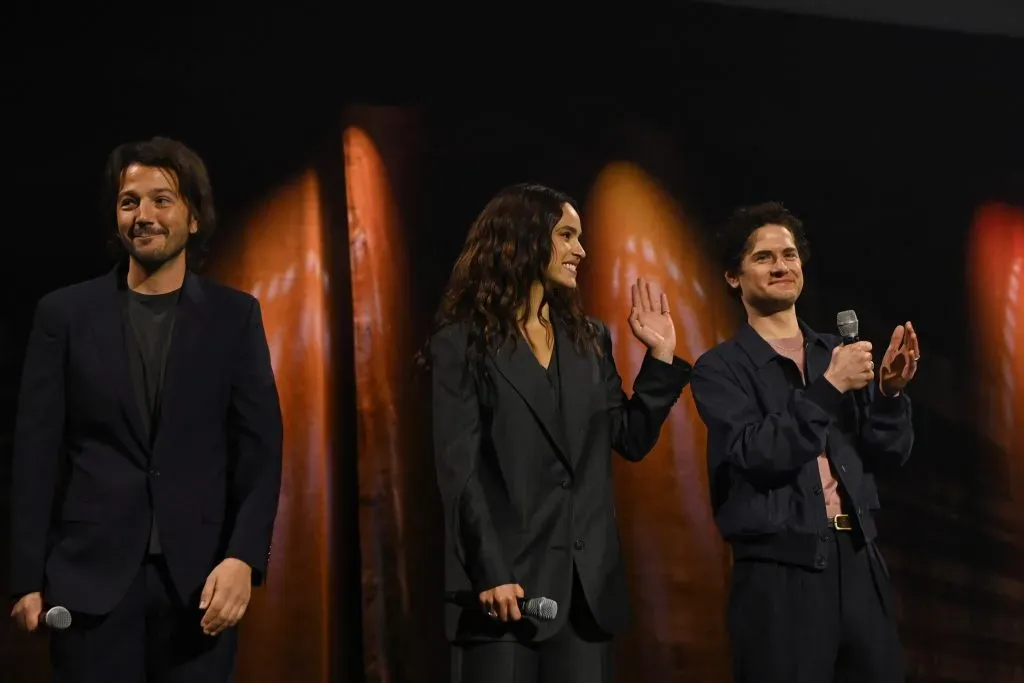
{"x":841,"y":523}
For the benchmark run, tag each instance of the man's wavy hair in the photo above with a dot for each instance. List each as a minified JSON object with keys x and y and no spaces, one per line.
{"x":508,"y":248}
{"x":193,"y":185}
{"x":735,"y":237}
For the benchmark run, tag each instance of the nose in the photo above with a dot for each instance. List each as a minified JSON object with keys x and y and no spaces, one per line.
{"x":144,"y":213}
{"x":579,"y":252}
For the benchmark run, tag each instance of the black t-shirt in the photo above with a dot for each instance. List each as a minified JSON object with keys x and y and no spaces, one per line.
{"x":150,"y":324}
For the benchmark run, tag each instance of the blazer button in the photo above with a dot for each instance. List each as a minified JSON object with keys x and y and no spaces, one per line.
{"x":817,"y":490}
{"x":154,"y":473}
{"x":580,"y":544}
{"x":566,"y":484}
{"x":819,"y":562}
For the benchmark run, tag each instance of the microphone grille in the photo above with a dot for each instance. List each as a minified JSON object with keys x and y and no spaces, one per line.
{"x":545,"y":609}
{"x":847,"y":323}
{"x":58,"y":618}
{"x":548,"y":608}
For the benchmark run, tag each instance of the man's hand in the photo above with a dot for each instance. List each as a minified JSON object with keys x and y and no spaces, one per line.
{"x":899,"y":364}
{"x":27,"y":611}
{"x":225,"y":596}
{"x":851,"y":366}
{"x":501,"y":602}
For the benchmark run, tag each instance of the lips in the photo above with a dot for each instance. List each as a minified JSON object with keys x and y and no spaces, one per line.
{"x":571,"y":267}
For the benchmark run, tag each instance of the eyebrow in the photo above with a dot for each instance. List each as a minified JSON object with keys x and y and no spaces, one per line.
{"x":158,"y":190}
{"x":769,"y":252}
{"x":571,"y":228}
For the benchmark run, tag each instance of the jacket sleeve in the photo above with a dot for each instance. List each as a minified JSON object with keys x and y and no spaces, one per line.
{"x":887,"y":432}
{"x":636,"y":420}
{"x":456,"y":425}
{"x":761,"y":447}
{"x":256,"y":430}
{"x":38,"y":439}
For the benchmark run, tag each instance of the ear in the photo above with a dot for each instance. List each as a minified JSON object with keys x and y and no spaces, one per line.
{"x":732,"y":280}
{"x":193,"y":225}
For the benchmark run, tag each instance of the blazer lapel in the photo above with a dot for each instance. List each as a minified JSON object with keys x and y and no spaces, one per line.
{"x":578,"y":377}
{"x":113,"y":348}
{"x":186,"y":339}
{"x":520,"y":368}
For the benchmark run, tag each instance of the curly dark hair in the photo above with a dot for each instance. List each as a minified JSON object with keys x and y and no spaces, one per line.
{"x":508,"y":248}
{"x":734,"y":237}
{"x":193,"y":184}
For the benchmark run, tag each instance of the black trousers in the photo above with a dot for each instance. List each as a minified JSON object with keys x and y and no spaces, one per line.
{"x":794,"y":625}
{"x":579,"y":653}
{"x":151,"y":637}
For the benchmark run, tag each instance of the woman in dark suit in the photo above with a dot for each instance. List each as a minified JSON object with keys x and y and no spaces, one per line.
{"x":527,"y":407}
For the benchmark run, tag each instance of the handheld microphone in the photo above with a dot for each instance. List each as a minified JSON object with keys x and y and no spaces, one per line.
{"x":849,"y":326}
{"x":849,"y":330}
{"x":55,"y":618}
{"x":543,"y":609}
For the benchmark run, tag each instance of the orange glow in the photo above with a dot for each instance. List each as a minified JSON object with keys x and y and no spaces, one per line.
{"x":996,"y":272}
{"x":677,"y":562}
{"x":401,"y":605}
{"x":279,"y":259}
{"x":380,"y":313}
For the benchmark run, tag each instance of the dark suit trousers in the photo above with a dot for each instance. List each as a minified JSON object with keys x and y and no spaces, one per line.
{"x":150,"y":637}
{"x":579,"y":653}
{"x":794,"y":625}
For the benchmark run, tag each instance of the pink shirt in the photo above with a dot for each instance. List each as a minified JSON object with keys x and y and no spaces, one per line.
{"x":793,"y":349}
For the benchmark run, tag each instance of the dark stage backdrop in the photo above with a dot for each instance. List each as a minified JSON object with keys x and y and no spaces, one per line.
{"x":899,"y":147}
{"x":948,"y":530}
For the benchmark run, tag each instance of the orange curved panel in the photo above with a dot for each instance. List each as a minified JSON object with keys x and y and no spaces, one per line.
{"x":996,"y":280}
{"x":402,"y":637}
{"x":279,"y":258}
{"x":678,"y":564}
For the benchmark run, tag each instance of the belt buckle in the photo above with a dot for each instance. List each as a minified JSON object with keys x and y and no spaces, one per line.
{"x":842,"y":523}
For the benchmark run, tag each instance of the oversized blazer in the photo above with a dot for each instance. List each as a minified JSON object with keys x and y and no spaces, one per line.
{"x":525,"y":475}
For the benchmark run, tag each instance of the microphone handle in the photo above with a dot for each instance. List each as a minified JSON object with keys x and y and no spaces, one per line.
{"x":860,"y":396}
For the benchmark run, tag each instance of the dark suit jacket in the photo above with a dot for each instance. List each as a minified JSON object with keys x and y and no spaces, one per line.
{"x":526,"y":488}
{"x":83,"y":467}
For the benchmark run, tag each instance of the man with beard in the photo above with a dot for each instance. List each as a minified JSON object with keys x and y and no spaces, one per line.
{"x":147,"y":452}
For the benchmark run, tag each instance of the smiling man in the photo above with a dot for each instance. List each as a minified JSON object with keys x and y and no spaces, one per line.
{"x":792,"y":459}
{"x":147,"y":454}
